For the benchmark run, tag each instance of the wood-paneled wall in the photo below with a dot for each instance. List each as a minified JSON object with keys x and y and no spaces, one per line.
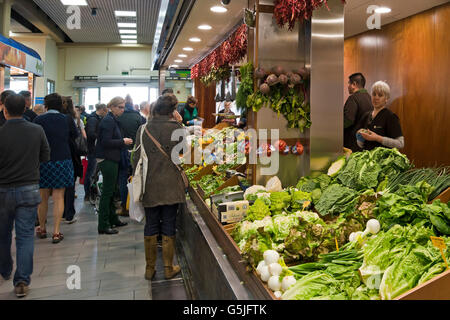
{"x":206,"y":102}
{"x":413,"y":56}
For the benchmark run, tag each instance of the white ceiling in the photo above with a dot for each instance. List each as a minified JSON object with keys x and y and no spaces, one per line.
{"x":221,"y":24}
{"x":102,"y":28}
{"x":355,"y":22}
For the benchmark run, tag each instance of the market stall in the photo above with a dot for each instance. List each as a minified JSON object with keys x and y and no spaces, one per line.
{"x":20,"y":62}
{"x":328,"y":224}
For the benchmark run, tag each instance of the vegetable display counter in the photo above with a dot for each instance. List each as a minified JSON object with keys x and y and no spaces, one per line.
{"x":307,"y":225}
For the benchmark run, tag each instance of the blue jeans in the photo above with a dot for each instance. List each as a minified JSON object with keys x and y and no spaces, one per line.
{"x":19,"y":207}
{"x":161,"y":218}
{"x":92,"y":165}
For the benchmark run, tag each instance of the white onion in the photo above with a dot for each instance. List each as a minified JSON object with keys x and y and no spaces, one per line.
{"x":275,"y":269}
{"x":265,"y":274}
{"x":373,"y":226}
{"x":352,"y":237}
{"x":261,"y":264}
{"x":274,"y":283}
{"x":277,"y":294}
{"x":287,"y":282}
{"x":271,"y":256}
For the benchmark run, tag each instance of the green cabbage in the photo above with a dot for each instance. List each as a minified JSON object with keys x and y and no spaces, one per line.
{"x":258,"y":210}
{"x":337,"y":199}
{"x":279,"y":201}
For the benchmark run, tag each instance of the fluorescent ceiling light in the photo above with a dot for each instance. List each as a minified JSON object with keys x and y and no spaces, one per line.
{"x":330,"y":36}
{"x":195,"y":39}
{"x":74,"y":2}
{"x":188,"y":49}
{"x":125,"y":13}
{"x":129,"y":41}
{"x":328,"y":21}
{"x":383,"y":10}
{"x":127,"y":31}
{"x":174,"y":66}
{"x":218,"y":9}
{"x":182,"y":55}
{"x":178,"y":60}
{"x":126,"y":25}
{"x":128,"y":36}
{"x":205,"y":27}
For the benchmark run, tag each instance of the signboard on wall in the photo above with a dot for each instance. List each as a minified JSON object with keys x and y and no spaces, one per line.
{"x":14,"y":57}
{"x":38,"y":100}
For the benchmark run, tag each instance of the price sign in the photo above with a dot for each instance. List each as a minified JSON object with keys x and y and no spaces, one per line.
{"x":337,"y":246}
{"x":440,"y":244}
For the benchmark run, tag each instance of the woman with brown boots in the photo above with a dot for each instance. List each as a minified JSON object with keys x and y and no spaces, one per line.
{"x":164,"y":187}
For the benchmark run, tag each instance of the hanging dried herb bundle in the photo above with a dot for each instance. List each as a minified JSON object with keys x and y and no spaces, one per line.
{"x":289,"y":11}
{"x":231,"y":51}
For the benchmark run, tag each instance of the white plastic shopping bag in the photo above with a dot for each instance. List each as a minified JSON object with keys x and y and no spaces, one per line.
{"x":136,"y":209}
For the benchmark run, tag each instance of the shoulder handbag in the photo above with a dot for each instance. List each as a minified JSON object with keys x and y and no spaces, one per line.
{"x":140,"y":174}
{"x":180,"y":170}
{"x":81,"y":144}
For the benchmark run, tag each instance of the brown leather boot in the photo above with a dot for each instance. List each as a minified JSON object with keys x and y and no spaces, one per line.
{"x":151,"y":250}
{"x":168,"y":250}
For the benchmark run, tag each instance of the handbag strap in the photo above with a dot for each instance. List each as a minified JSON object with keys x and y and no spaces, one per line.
{"x":158,"y":145}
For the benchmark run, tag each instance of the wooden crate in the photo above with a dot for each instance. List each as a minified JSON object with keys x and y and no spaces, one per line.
{"x":251,"y":280}
{"x":437,"y":288}
{"x":444,"y":196}
{"x":203,"y":172}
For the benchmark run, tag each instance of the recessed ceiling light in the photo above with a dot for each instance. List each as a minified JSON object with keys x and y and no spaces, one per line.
{"x":174,"y":66}
{"x":128,"y":36}
{"x":182,"y":55}
{"x":195,"y":39}
{"x":127,"y":31}
{"x":129,"y":41}
{"x":126,"y":25}
{"x":188,"y":49}
{"x":125,"y":13}
{"x":383,"y":10}
{"x":74,"y":2}
{"x":205,"y":27}
{"x":219,"y":9}
{"x":178,"y":60}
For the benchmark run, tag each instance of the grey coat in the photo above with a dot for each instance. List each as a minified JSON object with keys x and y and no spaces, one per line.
{"x":164,"y":185}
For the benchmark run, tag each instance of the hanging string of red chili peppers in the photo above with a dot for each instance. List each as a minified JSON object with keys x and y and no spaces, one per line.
{"x":231,"y":51}
{"x":289,"y":11}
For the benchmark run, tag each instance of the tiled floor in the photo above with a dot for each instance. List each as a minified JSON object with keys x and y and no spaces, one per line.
{"x":112,"y":266}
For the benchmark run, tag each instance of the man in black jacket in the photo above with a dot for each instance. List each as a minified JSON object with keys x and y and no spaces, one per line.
{"x":24,"y":146}
{"x":130,"y":121}
{"x":3,"y":97}
{"x":358,"y":103}
{"x":92,"y":124}
{"x":29,"y":114}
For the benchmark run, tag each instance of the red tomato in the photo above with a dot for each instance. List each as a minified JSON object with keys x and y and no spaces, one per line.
{"x":299,"y":147}
{"x":280,"y":145}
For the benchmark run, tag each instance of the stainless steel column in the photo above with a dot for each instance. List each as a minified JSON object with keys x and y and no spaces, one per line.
{"x":162,"y":79}
{"x":290,"y":50}
{"x":327,"y":68}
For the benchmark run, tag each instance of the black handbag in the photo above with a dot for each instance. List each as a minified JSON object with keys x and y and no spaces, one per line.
{"x":81,"y":145}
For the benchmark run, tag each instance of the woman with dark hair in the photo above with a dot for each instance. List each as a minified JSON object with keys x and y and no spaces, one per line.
{"x":189,"y":113}
{"x":57,"y":174}
{"x":108,"y":150}
{"x":164,"y":187}
{"x":69,"y":194}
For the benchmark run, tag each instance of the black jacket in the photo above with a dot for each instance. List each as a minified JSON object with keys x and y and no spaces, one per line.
{"x":92,"y":125}
{"x":109,"y":140}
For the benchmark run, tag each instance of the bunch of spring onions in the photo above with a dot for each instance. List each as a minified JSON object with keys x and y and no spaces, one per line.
{"x":439,"y":178}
